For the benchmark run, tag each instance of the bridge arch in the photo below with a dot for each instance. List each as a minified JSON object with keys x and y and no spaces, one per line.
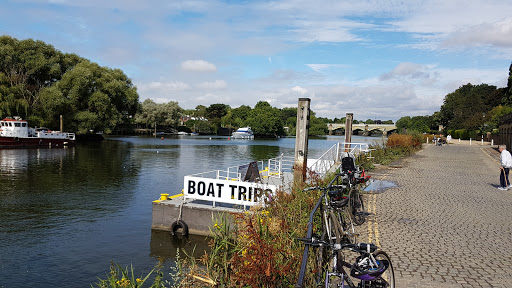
{"x":362,"y":129}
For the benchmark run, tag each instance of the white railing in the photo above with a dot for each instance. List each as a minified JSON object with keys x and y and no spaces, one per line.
{"x":326,"y":161}
{"x":332,"y":156}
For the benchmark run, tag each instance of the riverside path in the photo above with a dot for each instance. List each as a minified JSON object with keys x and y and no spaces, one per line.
{"x":445,"y":224}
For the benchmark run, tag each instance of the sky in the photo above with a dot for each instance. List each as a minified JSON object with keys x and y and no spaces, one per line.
{"x":377,"y":59}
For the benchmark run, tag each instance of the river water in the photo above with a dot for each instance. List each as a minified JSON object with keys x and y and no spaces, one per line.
{"x":65,"y":214}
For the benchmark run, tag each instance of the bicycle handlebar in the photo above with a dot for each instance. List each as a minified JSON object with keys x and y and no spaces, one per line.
{"x":357,"y":247}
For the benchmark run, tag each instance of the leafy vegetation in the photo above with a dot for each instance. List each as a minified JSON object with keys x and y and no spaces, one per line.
{"x":469,"y":111}
{"x":40,"y":83}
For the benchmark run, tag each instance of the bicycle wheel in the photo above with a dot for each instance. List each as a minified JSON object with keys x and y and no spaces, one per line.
{"x":356,"y":207}
{"x":349,"y":233}
{"x":337,"y":236}
{"x":386,"y":279}
{"x":321,"y":257}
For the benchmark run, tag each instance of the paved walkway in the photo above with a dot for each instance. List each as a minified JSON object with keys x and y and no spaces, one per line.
{"x":445,"y":224}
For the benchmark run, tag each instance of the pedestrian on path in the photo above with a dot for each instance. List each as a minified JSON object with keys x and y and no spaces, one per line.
{"x":506,"y":164}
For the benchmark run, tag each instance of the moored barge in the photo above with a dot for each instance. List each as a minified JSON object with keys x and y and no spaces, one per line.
{"x":15,"y":133}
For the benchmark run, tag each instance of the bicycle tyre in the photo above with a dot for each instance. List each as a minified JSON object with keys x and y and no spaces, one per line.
{"x":356,"y":207}
{"x":321,"y":257}
{"x":387,"y":279}
{"x":338,"y":233}
{"x":348,"y":235}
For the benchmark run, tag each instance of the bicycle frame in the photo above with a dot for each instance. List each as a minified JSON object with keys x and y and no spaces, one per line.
{"x":351,"y":184}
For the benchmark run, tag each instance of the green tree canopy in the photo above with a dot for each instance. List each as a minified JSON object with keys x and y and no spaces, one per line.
{"x":464,"y":108}
{"x":151,"y":113}
{"x":265,"y":120}
{"x":91,"y":98}
{"x":39,"y":83}
{"x":26,"y":67}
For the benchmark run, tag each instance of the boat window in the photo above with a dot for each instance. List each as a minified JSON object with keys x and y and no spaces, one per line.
{"x":23,"y":124}
{"x":10,"y":124}
{"x":17,"y":124}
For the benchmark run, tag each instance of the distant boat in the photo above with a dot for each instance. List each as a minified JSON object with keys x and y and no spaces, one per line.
{"x":15,"y":133}
{"x":243,"y":133}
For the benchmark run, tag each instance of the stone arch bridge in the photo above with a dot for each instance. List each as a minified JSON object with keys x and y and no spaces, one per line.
{"x":362,"y":129}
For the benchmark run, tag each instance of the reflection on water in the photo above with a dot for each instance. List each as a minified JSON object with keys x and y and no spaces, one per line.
{"x":163,"y":244}
{"x":80,"y":208}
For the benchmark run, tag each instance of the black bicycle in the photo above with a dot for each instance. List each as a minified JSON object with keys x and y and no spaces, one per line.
{"x":351,"y":181}
{"x":336,"y":226}
{"x":370,"y":269}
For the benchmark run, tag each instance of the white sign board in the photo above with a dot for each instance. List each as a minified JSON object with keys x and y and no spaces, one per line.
{"x":233,"y":192}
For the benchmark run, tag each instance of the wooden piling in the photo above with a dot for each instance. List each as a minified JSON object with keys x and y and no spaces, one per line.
{"x":301,"y":140}
{"x":348,"y":131}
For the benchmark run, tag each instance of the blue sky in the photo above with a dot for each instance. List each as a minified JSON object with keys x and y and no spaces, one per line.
{"x":378,"y":59}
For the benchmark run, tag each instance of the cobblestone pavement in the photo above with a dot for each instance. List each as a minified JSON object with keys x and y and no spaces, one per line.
{"x":445,"y":224}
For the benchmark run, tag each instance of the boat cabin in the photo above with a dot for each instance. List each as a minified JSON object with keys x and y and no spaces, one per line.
{"x":13,"y":128}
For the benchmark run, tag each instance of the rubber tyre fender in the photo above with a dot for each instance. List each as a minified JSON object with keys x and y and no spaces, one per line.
{"x":179,"y":224}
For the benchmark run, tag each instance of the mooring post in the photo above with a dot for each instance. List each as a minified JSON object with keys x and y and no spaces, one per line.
{"x":348,"y":131}
{"x":301,"y":141}
{"x":61,"y":124}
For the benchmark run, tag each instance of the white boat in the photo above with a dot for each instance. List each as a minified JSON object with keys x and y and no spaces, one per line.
{"x":16,"y":133}
{"x":243,"y":133}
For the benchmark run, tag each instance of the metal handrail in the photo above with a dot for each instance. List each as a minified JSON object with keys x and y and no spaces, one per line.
{"x":323,"y":164}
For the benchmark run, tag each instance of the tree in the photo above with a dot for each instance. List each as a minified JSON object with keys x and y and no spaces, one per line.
{"x":236,"y":117}
{"x":317,"y":126}
{"x":265,"y":120}
{"x":508,"y":90}
{"x":215,"y":112}
{"x":26,"y":67}
{"x":91,"y":98}
{"x":464,"y":108}
{"x":151,"y":113}
{"x":40,"y":83}
{"x":403,"y":123}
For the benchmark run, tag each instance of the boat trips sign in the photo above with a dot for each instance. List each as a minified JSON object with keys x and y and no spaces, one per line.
{"x":232,"y":192}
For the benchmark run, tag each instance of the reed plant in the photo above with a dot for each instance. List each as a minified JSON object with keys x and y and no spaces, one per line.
{"x":125,"y":278}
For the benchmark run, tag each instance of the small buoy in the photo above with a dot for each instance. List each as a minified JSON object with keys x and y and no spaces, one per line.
{"x":179,"y":224}
{"x":210,"y":138}
{"x":162,"y":138}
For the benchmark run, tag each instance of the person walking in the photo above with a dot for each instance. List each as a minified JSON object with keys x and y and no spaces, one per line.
{"x":506,"y":164}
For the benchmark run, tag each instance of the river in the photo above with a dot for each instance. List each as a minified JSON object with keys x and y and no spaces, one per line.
{"x":65,"y":214}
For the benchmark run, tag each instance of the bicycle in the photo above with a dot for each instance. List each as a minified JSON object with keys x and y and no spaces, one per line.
{"x":335,"y":227}
{"x":352,"y":176}
{"x":372,"y":268}
{"x":350,"y":182}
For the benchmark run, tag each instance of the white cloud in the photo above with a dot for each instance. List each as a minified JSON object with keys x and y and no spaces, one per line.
{"x":299,"y":90}
{"x":321,"y":67}
{"x":407,"y":69}
{"x":495,"y":34}
{"x":217,"y":84}
{"x":198,"y":66}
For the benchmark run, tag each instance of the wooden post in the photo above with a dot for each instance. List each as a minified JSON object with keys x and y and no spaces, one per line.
{"x":61,"y":124}
{"x":301,"y":141}
{"x":348,"y":131}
